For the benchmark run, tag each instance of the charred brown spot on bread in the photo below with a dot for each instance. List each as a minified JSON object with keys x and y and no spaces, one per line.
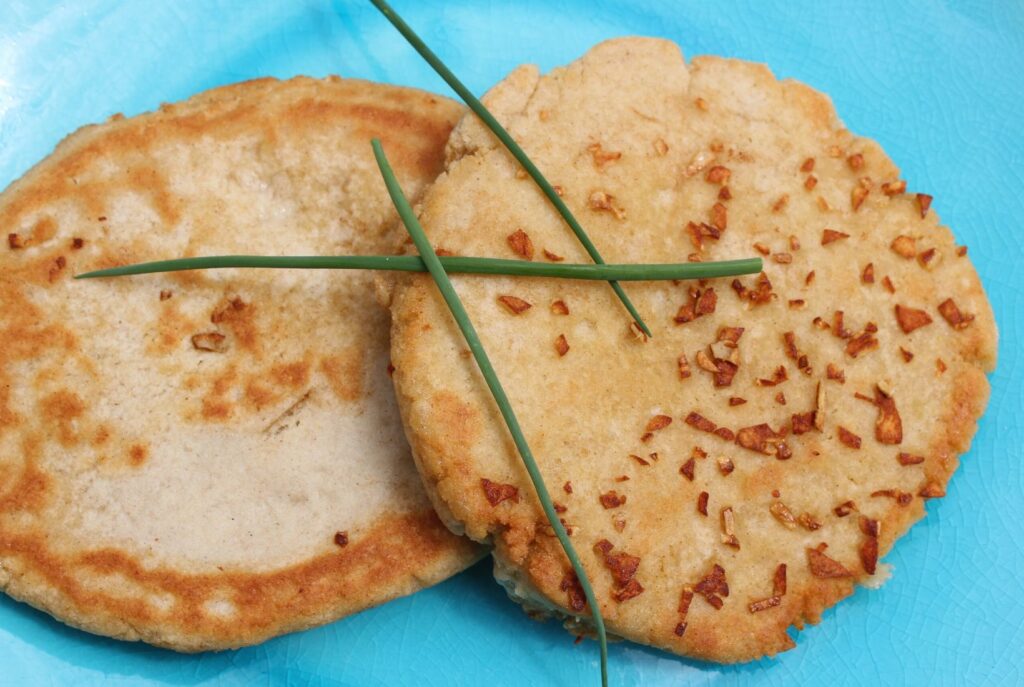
{"x":779,"y":376}
{"x":929,"y":258}
{"x":728,"y":522}
{"x":719,"y":174}
{"x":808,"y":522}
{"x":760,"y":438}
{"x":702,"y":302}
{"x":602,"y":201}
{"x":685,"y":599}
{"x":576,"y":599}
{"x":553,"y":257}
{"x":713,"y":587}
{"x":725,"y":465}
{"x":863,"y":342}
{"x":611,"y":499}
{"x":561,"y":345}
{"x":684,"y":366}
{"x":867,"y":275}
{"x":904,"y":246}
{"x":719,"y":216}
{"x":894,"y":188}
{"x":906,"y":459}
{"x":831,"y":236}
{"x":801,"y":423}
{"x":781,"y":512}
{"x":868,"y":550}
{"x":698,"y":421}
{"x":687,"y":469}
{"x":638,"y":459}
{"x":559,"y":307}
{"x":924,"y":201}
{"x":951,"y":313}
{"x":520,"y":243}
{"x":601,"y":157}
{"x":658,"y":422}
{"x":902,"y":498}
{"x":888,"y":425}
{"x":779,"y":580}
{"x":56,"y":268}
{"x":860,"y":193}
{"x":910,"y":319}
{"x":759,"y":295}
{"x":764,"y":604}
{"x":823,"y":566}
{"x":623,"y":568}
{"x":835,"y":373}
{"x":138,"y":454}
{"x":496,"y":492}
{"x":702,"y":503}
{"x":844,"y":509}
{"x":344,"y":373}
{"x":341,"y":539}
{"x":213,"y":342}
{"x":848,"y":438}
{"x":514,"y":304}
{"x":932,"y":490}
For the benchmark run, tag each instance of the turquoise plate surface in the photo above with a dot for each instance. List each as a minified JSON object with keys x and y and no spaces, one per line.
{"x":940,"y":84}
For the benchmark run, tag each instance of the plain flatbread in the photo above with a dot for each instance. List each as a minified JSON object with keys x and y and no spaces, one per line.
{"x":205,"y":460}
{"x":864,"y":293}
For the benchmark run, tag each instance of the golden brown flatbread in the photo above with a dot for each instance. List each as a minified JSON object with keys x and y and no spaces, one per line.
{"x":203,"y":460}
{"x":745,"y":468}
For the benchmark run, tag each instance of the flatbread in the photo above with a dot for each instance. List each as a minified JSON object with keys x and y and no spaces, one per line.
{"x":206,"y":459}
{"x":664,"y":162}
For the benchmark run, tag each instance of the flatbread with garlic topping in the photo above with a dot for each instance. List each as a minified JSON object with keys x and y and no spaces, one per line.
{"x":745,"y":468}
{"x":205,"y":460}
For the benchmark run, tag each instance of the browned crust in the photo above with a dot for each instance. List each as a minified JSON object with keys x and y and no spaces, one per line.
{"x":447,"y":452}
{"x":397,"y":556}
{"x":401,"y":117}
{"x":403,"y":550}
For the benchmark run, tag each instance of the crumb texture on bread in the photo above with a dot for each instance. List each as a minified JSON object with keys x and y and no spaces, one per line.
{"x":746,"y":467}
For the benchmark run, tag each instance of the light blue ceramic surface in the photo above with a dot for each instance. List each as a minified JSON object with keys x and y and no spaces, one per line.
{"x":939,"y":84}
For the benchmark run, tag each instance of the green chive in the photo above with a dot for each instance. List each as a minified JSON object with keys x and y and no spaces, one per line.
{"x":484,"y":114}
{"x":444,"y":284}
{"x":414,"y":263}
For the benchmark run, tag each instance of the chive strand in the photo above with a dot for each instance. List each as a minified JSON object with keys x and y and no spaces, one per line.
{"x":466,"y":265}
{"x":517,"y":152}
{"x":444,"y":285}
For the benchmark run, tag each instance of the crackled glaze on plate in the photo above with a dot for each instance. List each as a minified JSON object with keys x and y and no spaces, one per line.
{"x":938,"y":84}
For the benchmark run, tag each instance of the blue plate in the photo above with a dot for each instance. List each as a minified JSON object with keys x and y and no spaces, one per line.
{"x":940,"y":84}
